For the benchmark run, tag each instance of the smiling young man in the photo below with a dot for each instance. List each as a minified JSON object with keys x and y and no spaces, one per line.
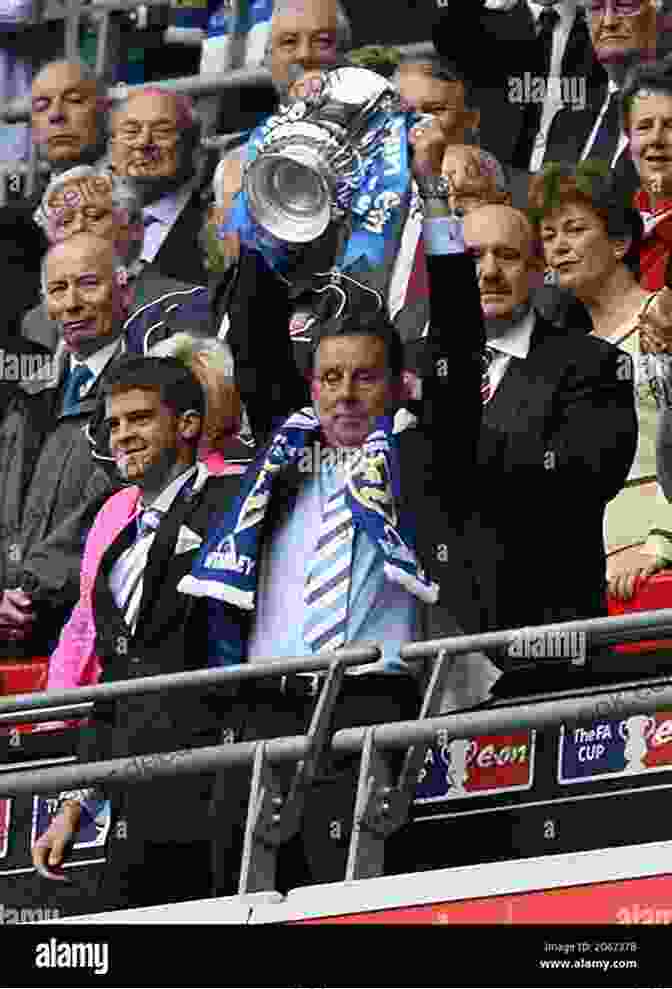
{"x":131,"y":622}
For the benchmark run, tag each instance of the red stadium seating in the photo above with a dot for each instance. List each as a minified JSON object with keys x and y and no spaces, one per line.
{"x":656,"y":592}
{"x":23,"y":676}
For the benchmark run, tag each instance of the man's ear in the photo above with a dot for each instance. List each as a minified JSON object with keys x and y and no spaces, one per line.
{"x":472,"y":119}
{"x":190,"y":424}
{"x":621,"y":246}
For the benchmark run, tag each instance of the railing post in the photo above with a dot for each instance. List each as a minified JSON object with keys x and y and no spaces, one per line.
{"x":272,"y":818}
{"x":380,"y":807}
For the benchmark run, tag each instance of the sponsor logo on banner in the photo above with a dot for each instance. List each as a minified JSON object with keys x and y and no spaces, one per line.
{"x":5,"y":817}
{"x":93,"y":831}
{"x":612,"y":748}
{"x":487,"y":764}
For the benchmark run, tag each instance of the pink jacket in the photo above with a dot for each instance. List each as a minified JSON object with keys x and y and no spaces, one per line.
{"x":74,"y":662}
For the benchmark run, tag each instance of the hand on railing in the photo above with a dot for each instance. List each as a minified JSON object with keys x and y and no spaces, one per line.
{"x":52,"y":848}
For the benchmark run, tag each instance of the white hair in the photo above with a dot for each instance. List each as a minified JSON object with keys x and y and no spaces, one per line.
{"x":343,"y":25}
{"x":120,"y":269}
{"x":122,"y":194}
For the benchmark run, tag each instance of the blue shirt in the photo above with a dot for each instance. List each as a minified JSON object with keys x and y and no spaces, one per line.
{"x":378,"y":610}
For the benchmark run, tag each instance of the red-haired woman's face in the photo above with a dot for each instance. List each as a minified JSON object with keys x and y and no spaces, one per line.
{"x":577,"y":247}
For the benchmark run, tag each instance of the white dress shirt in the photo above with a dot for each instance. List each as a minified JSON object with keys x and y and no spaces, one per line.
{"x":566,"y":10}
{"x":127,"y":574}
{"x":166,"y":211}
{"x":96,"y":363}
{"x":514,"y":342}
{"x":612,"y":90}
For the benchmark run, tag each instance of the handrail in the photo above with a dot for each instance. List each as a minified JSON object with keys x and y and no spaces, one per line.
{"x":17,"y":704}
{"x":206,"y":84}
{"x":611,"y":630}
{"x":634,"y":699}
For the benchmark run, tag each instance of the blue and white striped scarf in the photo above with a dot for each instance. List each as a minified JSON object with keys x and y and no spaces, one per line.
{"x":227,"y":565}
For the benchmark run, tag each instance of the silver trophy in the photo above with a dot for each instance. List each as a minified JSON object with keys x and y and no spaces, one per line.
{"x":315,"y":153}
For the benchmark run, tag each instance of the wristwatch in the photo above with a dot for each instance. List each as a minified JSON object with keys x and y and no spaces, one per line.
{"x":434,"y":187}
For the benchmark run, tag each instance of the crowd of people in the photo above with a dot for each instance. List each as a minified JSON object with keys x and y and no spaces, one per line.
{"x":448,"y":413}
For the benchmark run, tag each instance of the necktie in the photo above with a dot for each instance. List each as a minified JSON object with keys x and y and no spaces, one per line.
{"x":608,"y":134}
{"x":328,"y":584}
{"x":79,"y":376}
{"x":548,"y":18}
{"x":486,"y":386}
{"x":148,"y":522}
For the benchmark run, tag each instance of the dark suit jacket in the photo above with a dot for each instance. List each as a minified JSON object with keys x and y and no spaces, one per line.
{"x":170,"y":637}
{"x":491,"y":48}
{"x":570,"y":131}
{"x":180,"y":256}
{"x":492,"y":522}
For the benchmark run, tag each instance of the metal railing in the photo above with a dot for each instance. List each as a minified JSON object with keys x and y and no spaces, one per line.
{"x":382,"y":803}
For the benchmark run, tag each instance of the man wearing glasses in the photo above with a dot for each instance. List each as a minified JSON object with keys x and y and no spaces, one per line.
{"x":154,"y":145}
{"x":622,"y":33}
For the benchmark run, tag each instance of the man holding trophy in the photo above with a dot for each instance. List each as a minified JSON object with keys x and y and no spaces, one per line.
{"x":326,"y":188}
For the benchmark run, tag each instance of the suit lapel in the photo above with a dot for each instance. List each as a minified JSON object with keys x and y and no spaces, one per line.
{"x":106,"y":612}
{"x":521,"y":397}
{"x":161,"y":554}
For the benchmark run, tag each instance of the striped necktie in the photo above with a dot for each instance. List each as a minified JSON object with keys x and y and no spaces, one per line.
{"x":486,"y":385}
{"x":328,"y":585}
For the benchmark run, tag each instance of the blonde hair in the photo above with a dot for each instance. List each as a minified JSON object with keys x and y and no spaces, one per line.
{"x":211,"y":363}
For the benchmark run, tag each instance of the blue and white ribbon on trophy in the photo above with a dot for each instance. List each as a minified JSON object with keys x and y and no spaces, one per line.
{"x":376,"y":193}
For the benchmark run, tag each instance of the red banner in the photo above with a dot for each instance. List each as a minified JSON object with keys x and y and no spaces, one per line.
{"x":627,"y":901}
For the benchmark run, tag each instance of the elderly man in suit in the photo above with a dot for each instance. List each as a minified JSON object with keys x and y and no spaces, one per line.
{"x":86,"y":199}
{"x":68,"y":113}
{"x":131,"y":621}
{"x":622,"y":34}
{"x":154,"y":139}
{"x":54,"y":461}
{"x":559,"y":424}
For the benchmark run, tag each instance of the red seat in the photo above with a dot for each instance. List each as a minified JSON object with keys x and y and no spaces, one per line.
{"x":23,"y":676}
{"x":656,"y":592}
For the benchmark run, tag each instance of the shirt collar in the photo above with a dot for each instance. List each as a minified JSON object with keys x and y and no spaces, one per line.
{"x":566,"y":10}
{"x":96,"y":362}
{"x":167,"y":208}
{"x":165,"y":500}
{"x":515,"y":342}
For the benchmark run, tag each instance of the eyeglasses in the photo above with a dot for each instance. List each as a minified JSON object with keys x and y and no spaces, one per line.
{"x":129,"y":133}
{"x":91,"y":216}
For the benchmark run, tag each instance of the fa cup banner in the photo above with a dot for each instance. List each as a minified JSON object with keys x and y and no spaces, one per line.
{"x":613,"y":748}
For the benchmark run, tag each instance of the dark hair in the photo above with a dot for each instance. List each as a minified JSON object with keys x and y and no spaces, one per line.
{"x":353,"y":324}
{"x":177,"y":386}
{"x":441,"y":69}
{"x":589,"y":183}
{"x":656,"y":76}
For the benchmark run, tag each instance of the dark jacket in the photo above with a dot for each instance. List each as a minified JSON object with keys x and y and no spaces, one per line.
{"x":170,"y":637}
{"x":491,"y":48}
{"x":484,"y":493}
